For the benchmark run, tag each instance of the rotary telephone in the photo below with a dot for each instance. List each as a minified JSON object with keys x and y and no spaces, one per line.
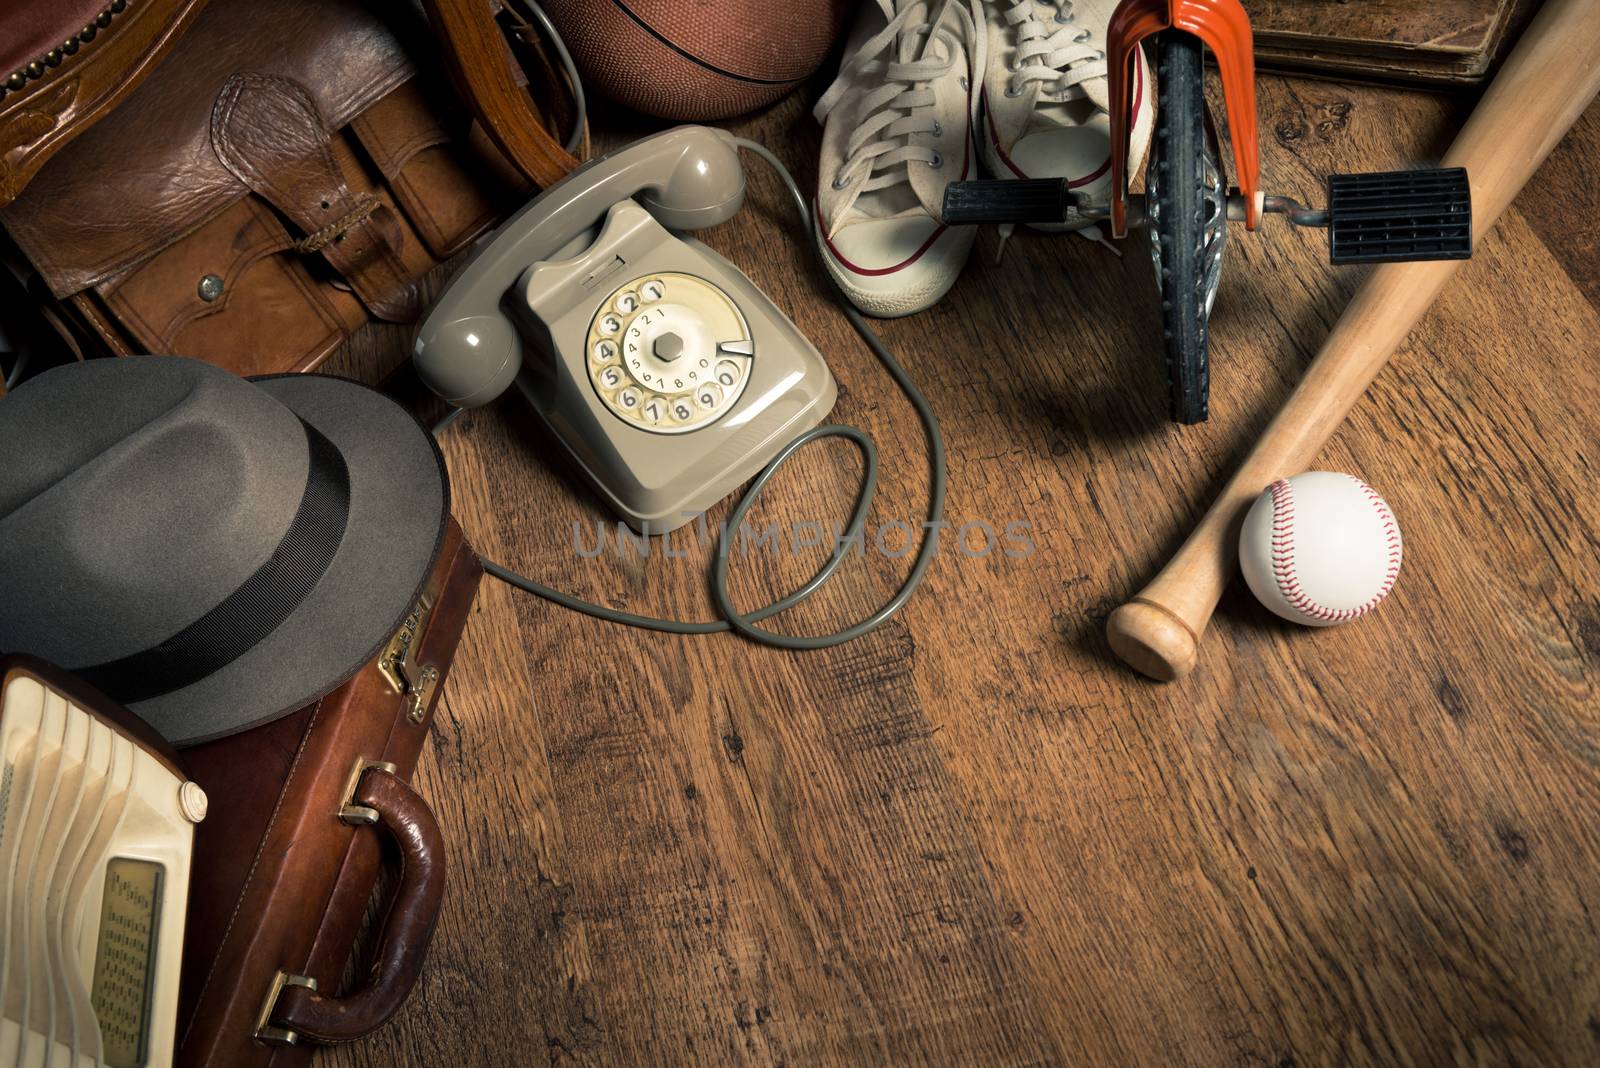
{"x":666,"y":374}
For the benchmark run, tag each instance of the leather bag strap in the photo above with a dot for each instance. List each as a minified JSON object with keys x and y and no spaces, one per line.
{"x":403,"y":813}
{"x":480,"y":65}
{"x":268,"y":132}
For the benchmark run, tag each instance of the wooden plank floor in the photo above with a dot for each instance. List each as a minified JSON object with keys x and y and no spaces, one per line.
{"x":974,"y":837}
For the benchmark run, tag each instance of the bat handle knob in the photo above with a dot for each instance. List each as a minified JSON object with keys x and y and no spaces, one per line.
{"x":1152,"y":640}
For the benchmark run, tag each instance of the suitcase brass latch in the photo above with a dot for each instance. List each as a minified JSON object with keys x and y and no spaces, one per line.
{"x":412,"y":680}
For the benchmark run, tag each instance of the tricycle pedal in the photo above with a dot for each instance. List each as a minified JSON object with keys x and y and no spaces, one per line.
{"x":1397,"y":216}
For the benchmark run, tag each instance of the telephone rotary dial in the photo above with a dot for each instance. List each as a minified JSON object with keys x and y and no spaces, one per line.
{"x":670,"y":354}
{"x":666,"y":374}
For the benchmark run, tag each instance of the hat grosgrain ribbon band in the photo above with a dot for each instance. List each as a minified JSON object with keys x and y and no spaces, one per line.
{"x":259,"y":606}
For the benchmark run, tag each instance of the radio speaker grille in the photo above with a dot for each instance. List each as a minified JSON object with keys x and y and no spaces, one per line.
{"x":94,"y":871}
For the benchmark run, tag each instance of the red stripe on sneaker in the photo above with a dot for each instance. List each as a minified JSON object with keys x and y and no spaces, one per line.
{"x":833,"y":250}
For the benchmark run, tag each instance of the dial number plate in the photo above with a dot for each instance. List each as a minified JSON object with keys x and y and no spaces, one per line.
{"x":669,"y":353}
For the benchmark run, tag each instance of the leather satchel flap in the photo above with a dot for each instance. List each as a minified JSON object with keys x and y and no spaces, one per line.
{"x":148,"y":174}
{"x":268,"y":133}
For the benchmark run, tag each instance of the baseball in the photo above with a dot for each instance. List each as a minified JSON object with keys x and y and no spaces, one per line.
{"x":1320,"y":548}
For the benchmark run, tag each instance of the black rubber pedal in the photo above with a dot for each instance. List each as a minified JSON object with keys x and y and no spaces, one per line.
{"x":1398,"y":216}
{"x":1020,"y":200}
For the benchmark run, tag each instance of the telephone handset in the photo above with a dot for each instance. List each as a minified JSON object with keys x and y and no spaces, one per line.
{"x":665,"y":372}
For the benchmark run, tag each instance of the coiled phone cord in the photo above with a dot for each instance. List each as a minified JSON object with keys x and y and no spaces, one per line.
{"x":745,"y":622}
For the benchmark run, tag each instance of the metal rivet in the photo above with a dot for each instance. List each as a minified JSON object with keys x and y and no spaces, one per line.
{"x":103,"y":19}
{"x":35,"y":69}
{"x":17,"y":81}
{"x":87,"y":33}
{"x":210,"y":287}
{"x":70,"y":46}
{"x":53,"y":57}
{"x":117,"y":6}
{"x":936,"y":161}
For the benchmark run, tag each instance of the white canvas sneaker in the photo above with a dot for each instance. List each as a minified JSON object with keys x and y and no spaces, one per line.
{"x":897,"y":128}
{"x":1046,"y":96}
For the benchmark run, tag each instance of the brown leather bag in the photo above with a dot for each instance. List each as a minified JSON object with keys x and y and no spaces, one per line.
{"x":303,"y":813}
{"x":287,"y":172}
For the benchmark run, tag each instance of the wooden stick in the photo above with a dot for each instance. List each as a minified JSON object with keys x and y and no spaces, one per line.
{"x":1546,"y":83}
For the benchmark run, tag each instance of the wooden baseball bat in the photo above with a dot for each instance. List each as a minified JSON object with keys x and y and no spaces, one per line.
{"x":1548,"y":80}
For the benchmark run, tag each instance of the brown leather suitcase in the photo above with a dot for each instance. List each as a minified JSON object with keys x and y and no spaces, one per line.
{"x":304,"y":813}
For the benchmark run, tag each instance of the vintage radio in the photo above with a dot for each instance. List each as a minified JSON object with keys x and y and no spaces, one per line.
{"x":96,"y":832}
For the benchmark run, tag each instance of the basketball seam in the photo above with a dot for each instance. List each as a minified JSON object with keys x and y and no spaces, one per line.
{"x":696,"y":60}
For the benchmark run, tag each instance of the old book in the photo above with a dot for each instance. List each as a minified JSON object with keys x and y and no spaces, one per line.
{"x":1445,"y":42}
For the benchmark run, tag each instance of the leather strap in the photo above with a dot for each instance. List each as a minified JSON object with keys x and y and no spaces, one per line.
{"x":404,"y":943}
{"x":475,"y":52}
{"x":269,"y":134}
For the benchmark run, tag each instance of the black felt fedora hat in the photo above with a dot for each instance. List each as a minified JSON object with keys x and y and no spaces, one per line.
{"x":211,"y":551}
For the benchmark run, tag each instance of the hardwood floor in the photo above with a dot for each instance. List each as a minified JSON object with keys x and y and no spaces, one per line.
{"x":974,"y":837}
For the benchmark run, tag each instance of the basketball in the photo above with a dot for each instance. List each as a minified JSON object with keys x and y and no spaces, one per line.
{"x":698,"y":59}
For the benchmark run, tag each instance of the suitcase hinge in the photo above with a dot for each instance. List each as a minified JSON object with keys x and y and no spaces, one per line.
{"x":414,"y":681}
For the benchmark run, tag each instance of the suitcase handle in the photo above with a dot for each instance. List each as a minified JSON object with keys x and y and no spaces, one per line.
{"x":403,"y":944}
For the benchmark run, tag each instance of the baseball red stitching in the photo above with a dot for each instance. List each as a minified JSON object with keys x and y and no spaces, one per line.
{"x":1283,"y":570}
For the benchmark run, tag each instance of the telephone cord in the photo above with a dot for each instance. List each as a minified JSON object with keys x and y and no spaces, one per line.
{"x":580,"y":106}
{"x":745,"y":622}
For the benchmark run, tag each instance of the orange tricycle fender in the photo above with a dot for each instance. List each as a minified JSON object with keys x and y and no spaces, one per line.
{"x":1225,"y":28}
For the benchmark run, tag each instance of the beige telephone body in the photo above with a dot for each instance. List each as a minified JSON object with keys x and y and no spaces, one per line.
{"x":667,"y":375}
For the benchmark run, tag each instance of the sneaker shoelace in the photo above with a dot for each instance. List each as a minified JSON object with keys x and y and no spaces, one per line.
{"x":879,"y":150}
{"x":1052,"y":52}
{"x":1057,"y":56}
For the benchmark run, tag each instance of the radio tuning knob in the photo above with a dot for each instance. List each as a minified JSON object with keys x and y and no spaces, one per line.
{"x":192,"y":802}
